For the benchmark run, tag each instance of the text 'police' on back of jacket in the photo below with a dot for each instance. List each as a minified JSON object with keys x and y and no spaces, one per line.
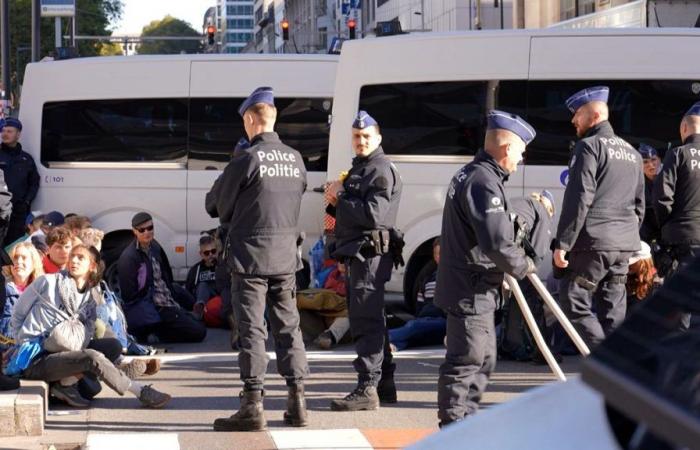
{"x":370,"y":201}
{"x":259,"y":196}
{"x":604,"y":199}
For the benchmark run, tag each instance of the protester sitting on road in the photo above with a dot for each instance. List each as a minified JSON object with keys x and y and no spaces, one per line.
{"x":201,"y":279}
{"x":59,"y":241}
{"x":325,"y":309}
{"x":26,"y":267}
{"x":641,"y":278}
{"x":148,"y":291}
{"x":430,"y":324}
{"x":37,"y":315}
{"x":92,"y":237}
{"x":77,"y":223}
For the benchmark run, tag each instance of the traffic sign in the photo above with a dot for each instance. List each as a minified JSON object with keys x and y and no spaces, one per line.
{"x":57,"y":8}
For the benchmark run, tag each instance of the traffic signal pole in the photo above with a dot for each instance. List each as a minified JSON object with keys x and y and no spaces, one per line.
{"x":5,"y":49}
{"x":36,"y":30}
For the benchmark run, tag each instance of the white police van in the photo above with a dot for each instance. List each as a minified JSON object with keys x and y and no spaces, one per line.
{"x":430,"y":94}
{"x":112,"y":136}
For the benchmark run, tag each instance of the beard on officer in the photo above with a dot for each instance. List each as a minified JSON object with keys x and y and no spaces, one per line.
{"x":598,"y":229}
{"x":478,"y":247}
{"x":259,"y":197}
{"x":365,"y":205}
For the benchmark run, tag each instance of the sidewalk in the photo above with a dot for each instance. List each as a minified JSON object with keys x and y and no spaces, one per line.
{"x":205,"y":385}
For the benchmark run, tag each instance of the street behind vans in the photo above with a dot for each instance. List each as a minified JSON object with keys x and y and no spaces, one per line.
{"x":112,"y":136}
{"x":430,"y":94}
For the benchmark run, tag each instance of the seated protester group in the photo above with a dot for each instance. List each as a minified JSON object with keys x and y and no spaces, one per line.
{"x":58,"y":311}
{"x":323,"y":313}
{"x":148,"y":292}
{"x":641,"y":277}
{"x":430,"y":325}
{"x":201,"y":279}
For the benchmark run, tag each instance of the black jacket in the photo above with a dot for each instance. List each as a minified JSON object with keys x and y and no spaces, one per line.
{"x":21,"y":175}
{"x":603,"y":204}
{"x":199,"y":273}
{"x":133,"y":262}
{"x":650,"y":230}
{"x":677,"y":194}
{"x":532,"y":218}
{"x":369,"y":201}
{"x":259,"y":197}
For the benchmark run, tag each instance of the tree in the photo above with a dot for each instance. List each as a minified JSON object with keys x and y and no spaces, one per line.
{"x":169,"y":26}
{"x":93,"y":17}
{"x":111,"y":49}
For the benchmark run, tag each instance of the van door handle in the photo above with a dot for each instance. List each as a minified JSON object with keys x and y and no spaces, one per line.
{"x":321,"y":189}
{"x":211,"y":168}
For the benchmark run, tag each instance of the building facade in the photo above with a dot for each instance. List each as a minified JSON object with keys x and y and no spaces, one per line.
{"x":235,"y":24}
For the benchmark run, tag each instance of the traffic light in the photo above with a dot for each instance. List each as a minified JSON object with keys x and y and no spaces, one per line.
{"x":211,"y":31}
{"x":285,"y":29}
{"x":351,"y":28}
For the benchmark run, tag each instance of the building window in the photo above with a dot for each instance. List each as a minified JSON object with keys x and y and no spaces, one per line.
{"x":237,"y":36}
{"x":233,"y":49}
{"x":239,"y":10}
{"x":239,"y":23}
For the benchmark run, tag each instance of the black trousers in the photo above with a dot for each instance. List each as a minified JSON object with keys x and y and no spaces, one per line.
{"x":471,"y":354}
{"x":249,"y":296}
{"x":177,"y":326}
{"x":17,"y":226}
{"x":367,"y":318}
{"x":593,"y":294}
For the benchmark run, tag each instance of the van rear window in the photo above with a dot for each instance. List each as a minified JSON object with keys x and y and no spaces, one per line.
{"x":126,"y":130}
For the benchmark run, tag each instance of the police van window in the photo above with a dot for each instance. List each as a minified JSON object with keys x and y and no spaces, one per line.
{"x":435,"y":118}
{"x":215,"y":127}
{"x":640,"y":111}
{"x":125,"y":130}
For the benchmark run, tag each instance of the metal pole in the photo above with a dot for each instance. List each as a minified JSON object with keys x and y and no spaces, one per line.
{"x":36,"y":30}
{"x":422,"y":15}
{"x":478,"y":14}
{"x":58,"y":32}
{"x":5,"y":48}
{"x":73,"y":30}
{"x":501,"y":7}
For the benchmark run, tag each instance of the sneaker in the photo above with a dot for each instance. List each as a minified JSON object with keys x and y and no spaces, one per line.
{"x":69,"y":395}
{"x":134,"y":368}
{"x":151,"y":398}
{"x":325,"y":340}
{"x":362,"y":398}
{"x":152,"y":366}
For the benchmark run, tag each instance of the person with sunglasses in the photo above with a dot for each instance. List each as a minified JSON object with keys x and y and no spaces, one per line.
{"x":201,"y":279}
{"x":149,"y":294}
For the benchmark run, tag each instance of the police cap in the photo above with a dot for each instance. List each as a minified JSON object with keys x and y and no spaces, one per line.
{"x":694,"y":110}
{"x":591,"y":94}
{"x":263,"y":94}
{"x":647,"y":151}
{"x":363,"y":120}
{"x":501,"y":120}
{"x":13,"y":122}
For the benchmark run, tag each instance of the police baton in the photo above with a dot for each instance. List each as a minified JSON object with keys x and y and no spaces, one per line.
{"x":559,"y":314}
{"x":530,"y":320}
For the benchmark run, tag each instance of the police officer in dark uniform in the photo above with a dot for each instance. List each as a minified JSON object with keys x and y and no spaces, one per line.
{"x":478,"y":247}
{"x":677,"y":194}
{"x":21,"y":176}
{"x":598,"y":228}
{"x":650,"y":232}
{"x":223,"y":277}
{"x":259,"y":196}
{"x":365,"y":205}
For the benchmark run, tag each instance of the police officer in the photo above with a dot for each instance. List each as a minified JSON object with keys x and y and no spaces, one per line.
{"x":677,"y":193}
{"x":365,"y":205}
{"x":478,"y":247}
{"x":21,"y":176}
{"x":259,"y":196}
{"x":599,"y":225}
{"x":650,"y":232}
{"x":223,"y":278}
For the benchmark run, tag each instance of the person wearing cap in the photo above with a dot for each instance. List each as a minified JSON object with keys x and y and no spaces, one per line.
{"x":478,"y":248}
{"x":21,"y":176}
{"x":676,"y":195}
{"x":598,"y":229}
{"x":650,"y":231}
{"x":365,"y":205}
{"x":150,"y":297}
{"x":259,"y":197}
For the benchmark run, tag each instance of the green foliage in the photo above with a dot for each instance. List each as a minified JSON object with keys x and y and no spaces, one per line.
{"x":93,"y":19}
{"x":169,"y":26}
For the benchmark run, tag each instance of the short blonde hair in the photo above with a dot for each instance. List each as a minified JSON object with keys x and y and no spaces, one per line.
{"x":37,"y":265}
{"x":92,"y":237}
{"x":545,"y":202}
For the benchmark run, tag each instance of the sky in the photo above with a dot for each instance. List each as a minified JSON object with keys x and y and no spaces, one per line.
{"x":138,"y":13}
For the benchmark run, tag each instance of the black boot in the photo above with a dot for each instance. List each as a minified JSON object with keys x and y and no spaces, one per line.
{"x":231,"y":320}
{"x":296,"y":415}
{"x":250,"y":416}
{"x":386,"y":389}
{"x":364,"y":397}
{"x":8,"y":383}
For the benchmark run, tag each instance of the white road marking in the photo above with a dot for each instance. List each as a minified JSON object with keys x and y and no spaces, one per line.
{"x":132,"y":441}
{"x":320,"y":439}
